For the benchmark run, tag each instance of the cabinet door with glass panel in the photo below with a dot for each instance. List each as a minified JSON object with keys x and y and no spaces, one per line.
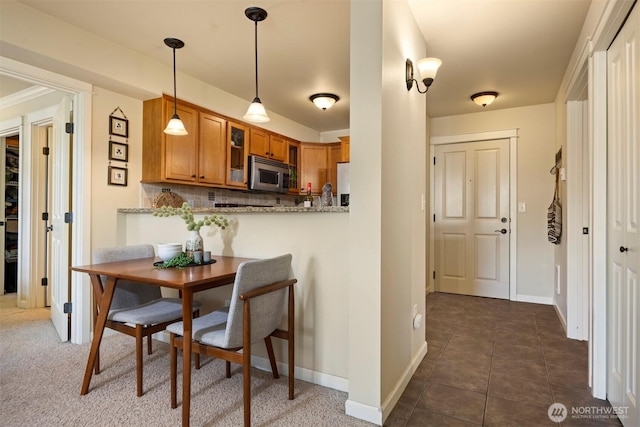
{"x":238,"y":142}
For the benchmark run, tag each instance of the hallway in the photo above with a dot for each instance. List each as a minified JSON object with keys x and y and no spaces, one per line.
{"x":497,"y":363}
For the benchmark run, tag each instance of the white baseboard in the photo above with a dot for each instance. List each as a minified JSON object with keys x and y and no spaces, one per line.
{"x":561,"y":317}
{"x":304,"y":374}
{"x":363,"y":412}
{"x":534,"y":299}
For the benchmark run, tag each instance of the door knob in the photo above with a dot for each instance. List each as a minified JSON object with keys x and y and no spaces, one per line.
{"x":623,"y":249}
{"x":503,"y":231}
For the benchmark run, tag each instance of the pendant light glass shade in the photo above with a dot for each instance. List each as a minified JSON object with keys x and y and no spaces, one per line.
{"x":175,"y":125}
{"x":256,"y":112}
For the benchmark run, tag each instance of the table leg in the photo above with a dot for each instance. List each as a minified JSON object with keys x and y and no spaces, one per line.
{"x":104,"y":296}
{"x":187,"y":306}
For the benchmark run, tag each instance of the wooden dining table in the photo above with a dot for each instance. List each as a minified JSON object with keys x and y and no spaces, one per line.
{"x":187,"y":280}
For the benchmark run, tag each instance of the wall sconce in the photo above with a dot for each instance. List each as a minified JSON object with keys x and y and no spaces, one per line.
{"x":256,"y":112}
{"x":484,"y":98}
{"x":175,"y":125}
{"x":324,"y":101}
{"x":428,"y":67}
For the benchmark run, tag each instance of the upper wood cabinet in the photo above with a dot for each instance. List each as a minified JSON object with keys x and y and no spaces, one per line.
{"x":345,"y":145}
{"x":334,"y":156}
{"x":195,"y":158}
{"x":313,"y":159}
{"x":237,"y":160}
{"x":212,"y":149}
{"x":293,"y":160}
{"x":265,"y":144}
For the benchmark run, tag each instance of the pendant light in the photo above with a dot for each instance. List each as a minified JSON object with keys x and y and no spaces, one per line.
{"x":175,"y":125}
{"x":256,"y":112}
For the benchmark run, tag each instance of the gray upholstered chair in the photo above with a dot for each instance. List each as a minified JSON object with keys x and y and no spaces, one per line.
{"x":255,"y":313}
{"x":137,"y":310}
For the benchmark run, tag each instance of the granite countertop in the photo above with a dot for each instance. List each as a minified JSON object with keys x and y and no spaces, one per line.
{"x":249,"y":209}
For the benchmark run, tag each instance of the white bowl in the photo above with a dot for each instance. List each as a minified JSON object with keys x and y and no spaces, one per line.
{"x":167,"y":251}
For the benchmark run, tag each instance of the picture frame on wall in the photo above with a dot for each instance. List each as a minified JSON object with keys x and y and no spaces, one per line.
{"x":118,"y":126}
{"x":117,"y":176}
{"x":118,"y":151}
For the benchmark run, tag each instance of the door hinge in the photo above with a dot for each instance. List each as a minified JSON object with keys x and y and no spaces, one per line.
{"x":434,"y":275}
{"x":67,"y":308}
{"x":44,"y":281}
{"x":68,"y":127}
{"x":45,"y":151}
{"x":434,"y":217}
{"x":45,"y":216}
{"x":434,"y":160}
{"x":68,"y":217}
{"x":585,"y":230}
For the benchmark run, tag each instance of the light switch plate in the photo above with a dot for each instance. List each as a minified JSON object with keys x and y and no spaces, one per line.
{"x":522,"y":207}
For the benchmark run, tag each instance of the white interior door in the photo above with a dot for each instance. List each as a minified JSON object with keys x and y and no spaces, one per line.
{"x":60,"y":230}
{"x":623,"y":217}
{"x":472,"y":222}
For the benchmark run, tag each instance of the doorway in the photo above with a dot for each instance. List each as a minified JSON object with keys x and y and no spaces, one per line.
{"x":9,"y":194}
{"x":472,"y":218}
{"x":474,"y":221}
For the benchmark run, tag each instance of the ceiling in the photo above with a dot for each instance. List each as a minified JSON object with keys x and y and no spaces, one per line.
{"x":519,"y":48}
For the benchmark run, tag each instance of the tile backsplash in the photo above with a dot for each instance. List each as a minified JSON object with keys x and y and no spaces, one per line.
{"x":204,"y":197}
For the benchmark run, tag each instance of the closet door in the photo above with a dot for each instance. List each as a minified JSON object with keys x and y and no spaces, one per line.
{"x":623,"y":217}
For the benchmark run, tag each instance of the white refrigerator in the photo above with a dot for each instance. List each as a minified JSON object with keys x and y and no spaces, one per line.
{"x":343,"y":184}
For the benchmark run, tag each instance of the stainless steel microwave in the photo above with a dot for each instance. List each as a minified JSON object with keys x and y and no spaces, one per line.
{"x":268,"y":175}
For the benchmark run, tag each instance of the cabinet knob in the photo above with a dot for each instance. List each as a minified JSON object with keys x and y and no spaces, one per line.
{"x":193,"y":176}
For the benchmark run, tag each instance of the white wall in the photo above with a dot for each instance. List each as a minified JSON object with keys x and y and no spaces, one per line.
{"x":536,"y":156}
{"x":387,"y":226}
{"x":105,"y":199}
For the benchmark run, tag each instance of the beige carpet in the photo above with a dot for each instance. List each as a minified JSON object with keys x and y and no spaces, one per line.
{"x":40,"y":380}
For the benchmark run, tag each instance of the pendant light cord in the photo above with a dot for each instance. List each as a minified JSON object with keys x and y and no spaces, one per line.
{"x":175,"y":94}
{"x":256,"y":52}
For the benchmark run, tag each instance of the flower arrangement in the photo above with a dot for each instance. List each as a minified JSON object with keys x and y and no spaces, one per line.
{"x":187,"y":216}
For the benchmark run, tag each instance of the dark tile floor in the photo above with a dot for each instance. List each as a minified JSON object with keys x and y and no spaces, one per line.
{"x":496,"y":363}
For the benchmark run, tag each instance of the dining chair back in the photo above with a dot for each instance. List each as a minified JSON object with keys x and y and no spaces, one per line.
{"x":260,"y":292}
{"x":137,"y":309}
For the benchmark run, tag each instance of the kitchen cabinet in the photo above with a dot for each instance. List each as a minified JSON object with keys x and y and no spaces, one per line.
{"x":293,"y":160}
{"x":212,"y":149}
{"x":237,"y":154}
{"x":268,"y":145}
{"x":345,"y":146}
{"x":313,"y":166}
{"x":198,"y":158}
{"x":181,"y":152}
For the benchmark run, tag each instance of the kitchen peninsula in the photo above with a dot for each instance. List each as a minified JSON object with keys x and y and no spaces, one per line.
{"x":318,"y":240}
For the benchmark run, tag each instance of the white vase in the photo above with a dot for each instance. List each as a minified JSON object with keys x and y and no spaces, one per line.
{"x":194,"y":243}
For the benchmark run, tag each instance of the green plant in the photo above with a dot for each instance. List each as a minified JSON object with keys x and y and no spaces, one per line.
{"x":187,"y":216}
{"x":179,"y":262}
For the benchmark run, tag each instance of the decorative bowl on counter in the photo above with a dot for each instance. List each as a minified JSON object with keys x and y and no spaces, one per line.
{"x":167,"y":251}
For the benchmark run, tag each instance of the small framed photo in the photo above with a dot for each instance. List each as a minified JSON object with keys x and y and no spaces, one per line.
{"x":118,"y":126}
{"x":118,"y":151}
{"x":117,"y":176}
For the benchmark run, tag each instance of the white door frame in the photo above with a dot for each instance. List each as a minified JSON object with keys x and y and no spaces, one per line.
{"x":82,"y":96}
{"x":512,"y":136}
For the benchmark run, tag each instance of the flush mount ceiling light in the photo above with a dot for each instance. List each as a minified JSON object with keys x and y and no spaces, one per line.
{"x":175,"y":125}
{"x":324,"y":101}
{"x":256,"y":112}
{"x":484,"y":98}
{"x":428,"y":67}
